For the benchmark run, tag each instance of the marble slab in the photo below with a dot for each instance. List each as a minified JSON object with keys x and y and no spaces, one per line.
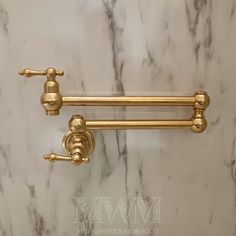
{"x":116,"y":47}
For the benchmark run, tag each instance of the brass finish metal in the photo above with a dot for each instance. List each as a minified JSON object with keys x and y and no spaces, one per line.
{"x":129,"y":101}
{"x":78,"y":143}
{"x":137,"y":124}
{"x":51,"y":73}
{"x":52,"y":100}
{"x":198,"y":118}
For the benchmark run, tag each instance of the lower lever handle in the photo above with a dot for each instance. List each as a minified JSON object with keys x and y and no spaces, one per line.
{"x":75,"y":158}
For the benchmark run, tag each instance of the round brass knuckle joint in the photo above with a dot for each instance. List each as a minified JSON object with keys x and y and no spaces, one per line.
{"x":202,"y":101}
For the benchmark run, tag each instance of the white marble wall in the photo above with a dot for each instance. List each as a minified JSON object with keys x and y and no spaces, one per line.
{"x":118,"y":47}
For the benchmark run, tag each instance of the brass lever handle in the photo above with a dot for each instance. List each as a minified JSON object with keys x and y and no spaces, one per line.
{"x":76,"y":159}
{"x":51,"y":73}
{"x":55,"y":157}
{"x":78,"y":143}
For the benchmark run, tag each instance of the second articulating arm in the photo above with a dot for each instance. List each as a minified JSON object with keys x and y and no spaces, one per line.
{"x":79,"y":142}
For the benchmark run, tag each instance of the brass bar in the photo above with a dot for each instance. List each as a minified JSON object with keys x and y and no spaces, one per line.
{"x":136,"y":124}
{"x":52,"y":100}
{"x":130,"y":101}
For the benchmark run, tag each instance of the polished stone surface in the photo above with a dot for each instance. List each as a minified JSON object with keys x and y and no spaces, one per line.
{"x":118,"y":47}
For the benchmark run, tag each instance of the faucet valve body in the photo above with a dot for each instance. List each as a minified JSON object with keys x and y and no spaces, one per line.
{"x":51,"y":99}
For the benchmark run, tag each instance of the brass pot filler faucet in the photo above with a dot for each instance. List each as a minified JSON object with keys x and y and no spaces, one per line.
{"x":78,"y":143}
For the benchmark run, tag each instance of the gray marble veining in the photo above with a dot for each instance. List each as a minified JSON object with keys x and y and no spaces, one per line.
{"x":122,"y":48}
